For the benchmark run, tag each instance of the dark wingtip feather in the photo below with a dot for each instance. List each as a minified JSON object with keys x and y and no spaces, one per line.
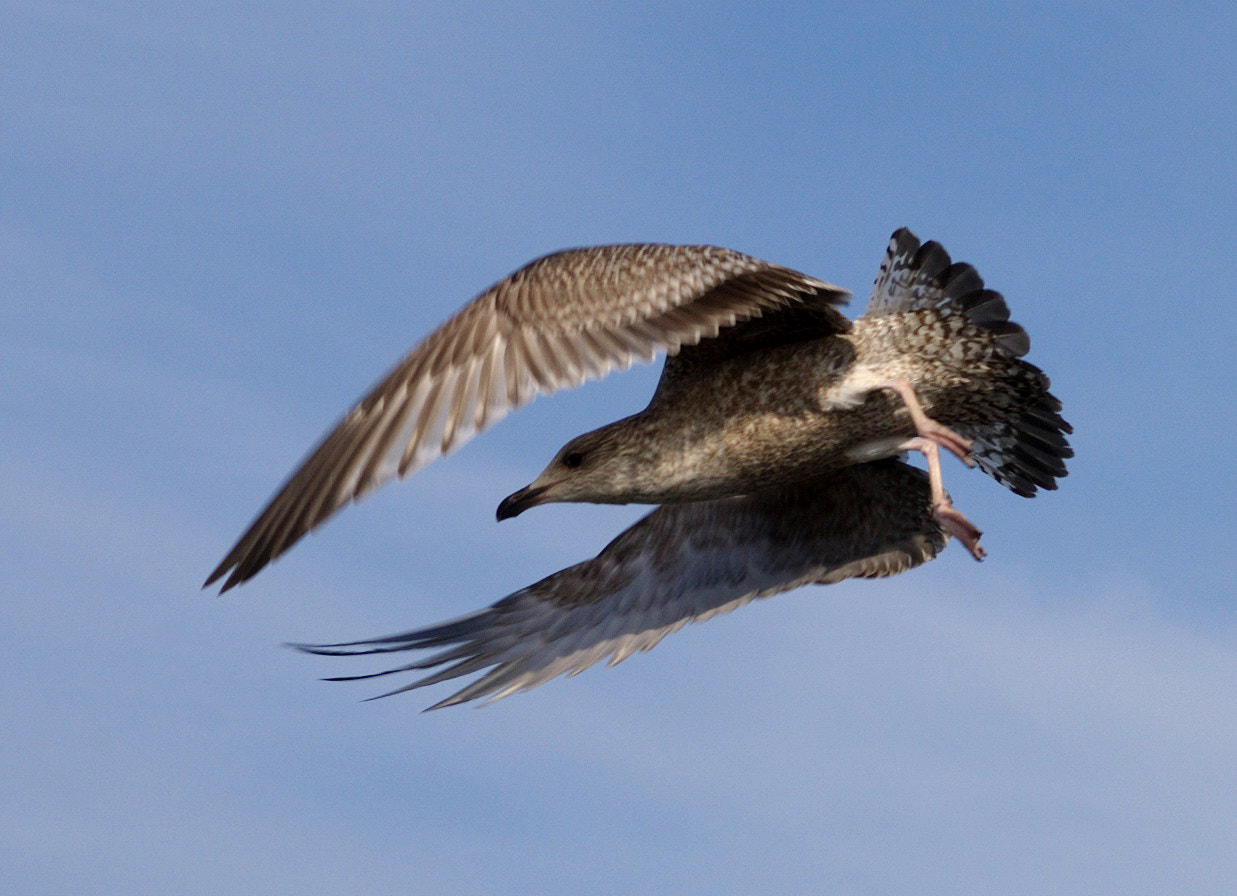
{"x":216,"y":575}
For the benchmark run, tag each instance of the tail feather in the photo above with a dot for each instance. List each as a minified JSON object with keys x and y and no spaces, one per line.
{"x":1026,"y":449}
{"x":915,"y":277}
{"x":1025,"y":453}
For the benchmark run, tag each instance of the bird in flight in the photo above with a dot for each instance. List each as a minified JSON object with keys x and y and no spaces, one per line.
{"x":772,"y":440}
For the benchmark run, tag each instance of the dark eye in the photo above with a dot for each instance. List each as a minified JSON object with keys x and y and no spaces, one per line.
{"x":573,"y":460}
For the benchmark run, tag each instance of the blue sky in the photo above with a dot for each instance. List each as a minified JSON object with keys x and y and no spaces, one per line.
{"x":220,"y":224}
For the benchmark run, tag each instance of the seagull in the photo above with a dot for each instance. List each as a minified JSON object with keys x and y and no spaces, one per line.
{"x":769,"y":396}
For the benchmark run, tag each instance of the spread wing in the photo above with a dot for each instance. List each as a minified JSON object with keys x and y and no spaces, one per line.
{"x":681,"y":563}
{"x":553,"y":324}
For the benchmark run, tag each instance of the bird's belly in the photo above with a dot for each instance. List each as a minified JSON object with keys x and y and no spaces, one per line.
{"x":754,"y":450}
{"x":875,"y":449}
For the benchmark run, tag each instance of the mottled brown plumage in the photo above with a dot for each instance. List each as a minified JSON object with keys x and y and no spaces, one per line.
{"x":769,"y":439}
{"x":934,"y":363}
{"x":766,"y":385}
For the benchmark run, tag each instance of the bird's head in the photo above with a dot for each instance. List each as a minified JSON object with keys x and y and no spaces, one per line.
{"x":599,"y":467}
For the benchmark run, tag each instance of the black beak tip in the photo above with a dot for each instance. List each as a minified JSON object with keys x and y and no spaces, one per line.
{"x":514,"y":505}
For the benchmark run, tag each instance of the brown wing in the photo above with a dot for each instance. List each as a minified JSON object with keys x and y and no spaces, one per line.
{"x":681,"y":563}
{"x":553,"y":324}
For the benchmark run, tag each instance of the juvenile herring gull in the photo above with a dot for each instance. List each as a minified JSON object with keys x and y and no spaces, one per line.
{"x":769,"y":398}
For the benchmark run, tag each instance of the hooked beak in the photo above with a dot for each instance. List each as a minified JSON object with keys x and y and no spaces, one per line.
{"x":514,"y":505}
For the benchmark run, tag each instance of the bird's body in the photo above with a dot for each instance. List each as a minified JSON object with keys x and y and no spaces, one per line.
{"x":781,"y":414}
{"x":771,"y":406}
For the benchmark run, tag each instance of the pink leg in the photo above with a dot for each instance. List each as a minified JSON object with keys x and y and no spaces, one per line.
{"x":943,"y":510}
{"x":930,"y":429}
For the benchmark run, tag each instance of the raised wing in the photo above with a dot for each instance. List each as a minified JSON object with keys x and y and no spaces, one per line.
{"x":681,"y":563}
{"x":553,"y":324}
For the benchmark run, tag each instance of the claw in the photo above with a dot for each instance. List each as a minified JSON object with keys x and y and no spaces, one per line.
{"x":951,"y":519}
{"x":954,"y":522}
